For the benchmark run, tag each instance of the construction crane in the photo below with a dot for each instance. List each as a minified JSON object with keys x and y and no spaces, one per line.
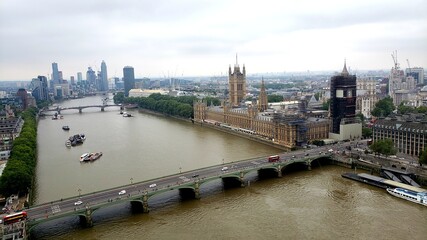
{"x":394,"y":56}
{"x":409,"y":68}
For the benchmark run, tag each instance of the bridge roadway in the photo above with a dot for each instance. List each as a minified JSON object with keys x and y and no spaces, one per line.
{"x":141,"y":191}
{"x":80,"y":108}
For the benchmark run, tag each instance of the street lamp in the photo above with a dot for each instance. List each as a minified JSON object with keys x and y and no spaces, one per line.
{"x":79,"y":192}
{"x":223,"y":161}
{"x":131,"y":180}
{"x":180,"y":169}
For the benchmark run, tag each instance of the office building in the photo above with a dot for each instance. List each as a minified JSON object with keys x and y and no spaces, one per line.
{"x":39,"y":88}
{"x":104,"y":78}
{"x":408,"y":132}
{"x":90,"y":76}
{"x":79,"y":77}
{"x":128,"y":79}
{"x":417,"y":73}
{"x":55,"y":73}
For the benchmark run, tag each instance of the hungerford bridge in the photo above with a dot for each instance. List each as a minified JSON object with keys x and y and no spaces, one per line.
{"x":187,"y":183}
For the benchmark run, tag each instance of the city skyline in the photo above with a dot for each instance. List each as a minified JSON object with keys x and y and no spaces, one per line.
{"x":201,"y":38}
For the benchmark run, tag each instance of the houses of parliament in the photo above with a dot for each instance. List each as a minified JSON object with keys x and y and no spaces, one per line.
{"x":288,"y":128}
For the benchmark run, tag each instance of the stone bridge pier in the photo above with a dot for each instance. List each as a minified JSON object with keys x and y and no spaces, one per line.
{"x":197,"y":190}
{"x":279,"y":171}
{"x":86,"y":219}
{"x":242,"y":179}
{"x":145,"y":208}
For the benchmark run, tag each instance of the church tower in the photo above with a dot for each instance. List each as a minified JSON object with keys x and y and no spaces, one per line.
{"x":262,"y":102}
{"x":236,"y":84}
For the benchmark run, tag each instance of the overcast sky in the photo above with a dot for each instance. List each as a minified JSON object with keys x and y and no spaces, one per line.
{"x":200,"y":37}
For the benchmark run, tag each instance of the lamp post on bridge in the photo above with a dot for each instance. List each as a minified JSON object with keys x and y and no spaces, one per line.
{"x":79,"y":192}
{"x":180,"y":169}
{"x":131,"y":180}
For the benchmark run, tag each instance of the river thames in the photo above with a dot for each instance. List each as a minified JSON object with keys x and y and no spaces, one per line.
{"x":316,"y":204}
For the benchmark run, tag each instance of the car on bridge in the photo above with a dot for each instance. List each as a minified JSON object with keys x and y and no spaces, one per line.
{"x":78,"y":203}
{"x":195,"y":175}
{"x":224,"y":169}
{"x":153,"y":185}
{"x":122,"y":192}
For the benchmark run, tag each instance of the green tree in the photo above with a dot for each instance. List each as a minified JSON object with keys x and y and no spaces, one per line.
{"x":366,"y":132}
{"x":362,"y":118}
{"x":274,"y":98}
{"x":19,"y":171}
{"x":119,"y":98}
{"x":383,"y":107}
{"x":423,"y":157}
{"x":325,"y":105}
{"x":403,"y":109}
{"x":422,"y":109}
{"x":384,"y":147}
{"x":215,"y":101}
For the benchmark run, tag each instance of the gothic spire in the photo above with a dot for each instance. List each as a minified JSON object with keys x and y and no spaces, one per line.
{"x":344,"y":70}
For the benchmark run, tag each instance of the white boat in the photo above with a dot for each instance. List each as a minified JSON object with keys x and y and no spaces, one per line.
{"x":125,"y":114}
{"x":416,"y":197}
{"x":85,"y":157}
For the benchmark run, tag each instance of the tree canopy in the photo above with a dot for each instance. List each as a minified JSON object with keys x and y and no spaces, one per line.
{"x":119,"y":97}
{"x":404,"y":109}
{"x":176,"y":106}
{"x":20,"y":168}
{"x":366,"y":132}
{"x":274,"y":98}
{"x":383,"y":107}
{"x":384,"y":147}
{"x":423,"y":157}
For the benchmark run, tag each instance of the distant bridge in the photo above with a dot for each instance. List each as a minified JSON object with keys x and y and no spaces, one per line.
{"x":187,"y":183}
{"x":80,"y":108}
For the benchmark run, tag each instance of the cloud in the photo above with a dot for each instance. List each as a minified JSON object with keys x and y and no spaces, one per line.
{"x":201,"y":37}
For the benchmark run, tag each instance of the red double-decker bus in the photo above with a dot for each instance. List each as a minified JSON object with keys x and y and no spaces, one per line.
{"x":274,"y":158}
{"x":13,"y":218}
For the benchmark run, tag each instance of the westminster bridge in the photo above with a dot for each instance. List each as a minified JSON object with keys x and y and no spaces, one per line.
{"x":188,"y":184}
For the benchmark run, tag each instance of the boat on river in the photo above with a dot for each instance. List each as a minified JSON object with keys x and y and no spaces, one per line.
{"x":85,"y":157}
{"x":95,"y":156}
{"x":90,"y":157}
{"x":68,"y":143}
{"x":126,"y":114}
{"x":65,"y":128}
{"x":416,"y":197}
{"x":77,"y":139}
